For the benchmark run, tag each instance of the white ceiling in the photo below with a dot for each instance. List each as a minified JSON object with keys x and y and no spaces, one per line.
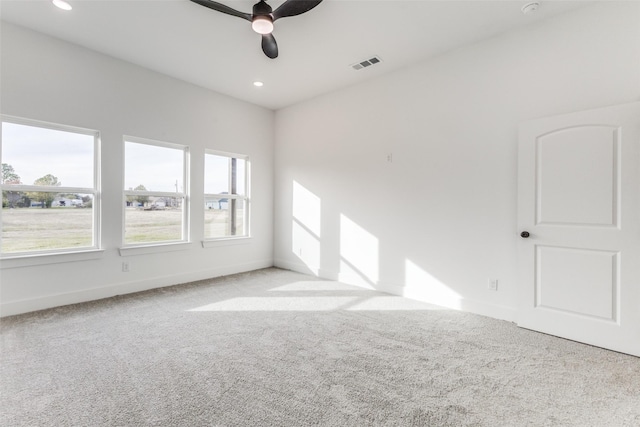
{"x":221,"y":52}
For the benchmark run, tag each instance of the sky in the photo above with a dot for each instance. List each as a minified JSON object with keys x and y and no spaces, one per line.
{"x":157,"y":168}
{"x":217,"y":174}
{"x":35,"y":152}
{"x":66,"y":155}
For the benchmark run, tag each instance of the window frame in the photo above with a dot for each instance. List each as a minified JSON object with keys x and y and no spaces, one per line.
{"x":185,"y":195}
{"x":95,"y":191}
{"x":246,"y":197}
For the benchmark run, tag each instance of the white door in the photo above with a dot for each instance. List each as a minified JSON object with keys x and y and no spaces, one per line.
{"x":579,"y":202}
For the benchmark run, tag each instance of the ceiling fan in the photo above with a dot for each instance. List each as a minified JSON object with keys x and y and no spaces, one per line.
{"x":264,"y":16}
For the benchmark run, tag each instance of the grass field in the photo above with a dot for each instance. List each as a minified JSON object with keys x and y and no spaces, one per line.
{"x":36,"y":229}
{"x":152,"y":226}
{"x":216,"y":223}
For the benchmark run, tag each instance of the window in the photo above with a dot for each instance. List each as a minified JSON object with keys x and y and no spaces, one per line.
{"x":155,"y":192}
{"x":226,"y":199}
{"x":50,"y":191}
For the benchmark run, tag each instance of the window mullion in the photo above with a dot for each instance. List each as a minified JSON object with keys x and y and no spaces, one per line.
{"x":233,"y":191}
{"x":143,"y":228}
{"x":43,"y":189}
{"x":226,"y":211}
{"x":58,"y":230}
{"x":153,"y":193}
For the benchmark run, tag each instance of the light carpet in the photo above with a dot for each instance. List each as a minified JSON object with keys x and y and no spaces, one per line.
{"x":277,"y":348}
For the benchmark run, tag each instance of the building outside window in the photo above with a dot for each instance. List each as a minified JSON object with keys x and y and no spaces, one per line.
{"x":226,"y":201}
{"x":50,"y":188}
{"x":155,"y":192}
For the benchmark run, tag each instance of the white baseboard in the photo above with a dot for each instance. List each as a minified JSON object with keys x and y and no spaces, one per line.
{"x":462,"y":304}
{"x":57,"y":300}
{"x":298,"y":267}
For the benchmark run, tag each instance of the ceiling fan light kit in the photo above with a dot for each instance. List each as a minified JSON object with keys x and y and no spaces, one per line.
{"x":262,"y":24}
{"x":264,"y":16}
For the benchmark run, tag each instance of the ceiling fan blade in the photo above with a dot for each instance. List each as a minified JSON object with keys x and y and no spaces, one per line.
{"x":269,"y":46}
{"x":294,"y":7}
{"x":223,"y":8}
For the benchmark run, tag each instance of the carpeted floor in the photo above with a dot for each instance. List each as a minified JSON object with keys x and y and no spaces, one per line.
{"x":277,"y":348}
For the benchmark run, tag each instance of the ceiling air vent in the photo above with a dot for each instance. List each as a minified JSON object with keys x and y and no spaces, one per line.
{"x":366,"y":63}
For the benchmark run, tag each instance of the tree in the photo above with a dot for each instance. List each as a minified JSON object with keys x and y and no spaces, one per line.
{"x":11,"y":197}
{"x":9,"y":176}
{"x":143,"y":200}
{"x":87,"y":201}
{"x":45,"y":197}
{"x":47,"y":181}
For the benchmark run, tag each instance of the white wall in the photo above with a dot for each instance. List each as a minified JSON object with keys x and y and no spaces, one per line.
{"x":50,"y":80}
{"x":440,"y":219}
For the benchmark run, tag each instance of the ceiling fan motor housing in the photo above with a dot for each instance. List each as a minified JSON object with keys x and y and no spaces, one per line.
{"x":262,"y":19}
{"x":262,"y":9}
{"x":263,"y":16}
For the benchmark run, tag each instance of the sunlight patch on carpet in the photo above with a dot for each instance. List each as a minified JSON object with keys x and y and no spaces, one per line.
{"x":317,"y":303}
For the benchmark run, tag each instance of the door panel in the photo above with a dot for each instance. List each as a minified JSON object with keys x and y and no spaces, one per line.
{"x":579,"y":199}
{"x":587,"y":194}
{"x":577,"y":281}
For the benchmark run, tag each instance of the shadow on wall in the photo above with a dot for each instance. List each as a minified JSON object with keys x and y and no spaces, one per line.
{"x":359,"y":255}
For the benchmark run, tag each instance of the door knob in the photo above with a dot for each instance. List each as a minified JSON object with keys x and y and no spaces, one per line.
{"x":525,"y":234}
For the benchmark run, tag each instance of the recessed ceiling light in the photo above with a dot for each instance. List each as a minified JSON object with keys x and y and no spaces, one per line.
{"x":258,"y":84}
{"x":62,"y":4}
{"x":530,"y":7}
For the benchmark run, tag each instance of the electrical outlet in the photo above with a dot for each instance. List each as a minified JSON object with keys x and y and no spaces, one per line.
{"x":125,"y":266}
{"x":492,"y":284}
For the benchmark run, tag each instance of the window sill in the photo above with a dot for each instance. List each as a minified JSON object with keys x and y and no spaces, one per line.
{"x":51,"y":258}
{"x":213,"y":243}
{"x":154,"y":249}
